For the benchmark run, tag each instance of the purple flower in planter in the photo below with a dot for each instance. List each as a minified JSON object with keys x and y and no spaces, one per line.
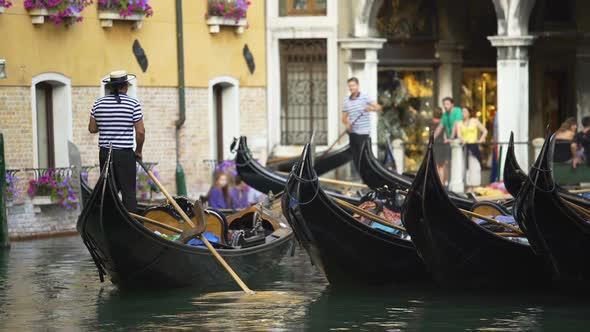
{"x":12,"y":189}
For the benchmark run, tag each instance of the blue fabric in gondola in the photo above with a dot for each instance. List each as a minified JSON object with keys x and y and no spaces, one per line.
{"x":198,"y":243}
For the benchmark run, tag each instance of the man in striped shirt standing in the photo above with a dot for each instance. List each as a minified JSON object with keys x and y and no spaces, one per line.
{"x":356,"y":118}
{"x":114,"y":117}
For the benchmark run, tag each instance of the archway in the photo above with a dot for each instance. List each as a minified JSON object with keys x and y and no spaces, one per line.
{"x":51,"y":107}
{"x":224,"y":115}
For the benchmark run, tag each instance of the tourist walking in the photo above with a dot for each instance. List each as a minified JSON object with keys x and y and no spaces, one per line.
{"x":582,"y":141}
{"x":356,"y":117}
{"x":446,"y":128}
{"x":467,"y":131}
{"x":115,"y":117}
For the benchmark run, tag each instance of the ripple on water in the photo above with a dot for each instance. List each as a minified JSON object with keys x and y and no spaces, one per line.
{"x":53,"y":284}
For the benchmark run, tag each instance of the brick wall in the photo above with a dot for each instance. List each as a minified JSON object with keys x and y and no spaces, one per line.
{"x":254,"y":120}
{"x":195,"y":143}
{"x":25,"y":222}
{"x":16,"y":124}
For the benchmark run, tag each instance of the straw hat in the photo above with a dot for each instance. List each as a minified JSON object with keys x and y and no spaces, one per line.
{"x":119,"y":76}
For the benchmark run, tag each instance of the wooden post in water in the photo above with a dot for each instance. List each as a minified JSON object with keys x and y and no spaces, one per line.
{"x":4,"y":243}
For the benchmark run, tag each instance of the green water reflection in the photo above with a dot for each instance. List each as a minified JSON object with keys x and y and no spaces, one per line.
{"x":53,"y":285}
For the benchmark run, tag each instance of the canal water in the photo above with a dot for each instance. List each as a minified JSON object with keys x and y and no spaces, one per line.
{"x":52,"y":285}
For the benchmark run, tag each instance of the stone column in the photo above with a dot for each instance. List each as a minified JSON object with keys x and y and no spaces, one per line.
{"x":582,"y":83}
{"x":513,"y":92}
{"x":399,"y":155}
{"x":362,"y":63}
{"x":456,"y":183}
{"x":450,"y":71}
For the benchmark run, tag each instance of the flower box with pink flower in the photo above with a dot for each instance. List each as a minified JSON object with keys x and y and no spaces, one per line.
{"x":4,"y":4}
{"x":52,"y":187}
{"x":67,"y":12}
{"x":231,"y":13}
{"x":133,"y":11}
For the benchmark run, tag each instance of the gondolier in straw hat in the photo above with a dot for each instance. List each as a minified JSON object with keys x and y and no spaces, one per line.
{"x":356,"y":117}
{"x":114,"y":117}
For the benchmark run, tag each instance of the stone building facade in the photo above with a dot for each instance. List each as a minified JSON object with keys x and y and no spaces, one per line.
{"x":519,"y":64}
{"x":71,"y":61}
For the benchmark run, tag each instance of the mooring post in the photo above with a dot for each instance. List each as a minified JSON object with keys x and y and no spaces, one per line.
{"x":4,"y":243}
{"x":457,"y":167}
{"x":399,"y":155}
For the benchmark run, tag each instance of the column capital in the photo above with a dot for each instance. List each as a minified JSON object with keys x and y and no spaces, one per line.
{"x":512,"y":47}
{"x":362,"y":43}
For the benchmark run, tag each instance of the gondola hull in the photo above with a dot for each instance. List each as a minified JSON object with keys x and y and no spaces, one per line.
{"x":135,"y":257}
{"x":323,"y":163}
{"x":457,"y":251}
{"x":555,"y":230}
{"x":346,"y":251}
{"x":261,"y":178}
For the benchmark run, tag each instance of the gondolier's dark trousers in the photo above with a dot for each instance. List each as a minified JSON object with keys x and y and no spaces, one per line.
{"x":125,"y":174}
{"x":356,"y":142}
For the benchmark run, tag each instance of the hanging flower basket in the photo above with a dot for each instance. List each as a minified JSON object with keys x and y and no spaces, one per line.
{"x":230,"y":13}
{"x":123,"y":10}
{"x":4,"y":4}
{"x":66,"y":12}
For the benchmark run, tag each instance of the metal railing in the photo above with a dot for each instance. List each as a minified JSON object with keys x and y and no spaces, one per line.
{"x":458,"y":154}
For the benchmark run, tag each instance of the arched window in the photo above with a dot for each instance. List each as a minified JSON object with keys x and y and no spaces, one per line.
{"x":52,"y":119}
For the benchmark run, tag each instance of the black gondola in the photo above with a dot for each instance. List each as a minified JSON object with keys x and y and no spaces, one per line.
{"x":135,"y":257}
{"x":457,"y":251}
{"x":375,"y":176}
{"x":347,"y":251}
{"x":556,"y":231}
{"x":323,"y":163}
{"x":263,"y":179}
{"x":514,"y":178}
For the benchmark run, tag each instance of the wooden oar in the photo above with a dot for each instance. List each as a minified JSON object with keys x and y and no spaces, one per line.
{"x":344,"y":183}
{"x":493,"y":221}
{"x":504,"y":234}
{"x":336,"y":182}
{"x":341,"y":135}
{"x":277,"y":160}
{"x":368,"y":215}
{"x":202,"y":238}
{"x":579,"y":209}
{"x":580,"y":191}
{"x":156,"y":223}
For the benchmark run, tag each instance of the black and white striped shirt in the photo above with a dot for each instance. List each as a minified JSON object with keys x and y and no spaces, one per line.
{"x":358,"y":117}
{"x":116,"y":121}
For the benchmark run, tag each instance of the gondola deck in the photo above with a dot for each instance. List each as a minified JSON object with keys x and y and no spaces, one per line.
{"x":135,"y":257}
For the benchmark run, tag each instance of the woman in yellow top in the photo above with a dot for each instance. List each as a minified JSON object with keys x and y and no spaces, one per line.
{"x":467,"y":131}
